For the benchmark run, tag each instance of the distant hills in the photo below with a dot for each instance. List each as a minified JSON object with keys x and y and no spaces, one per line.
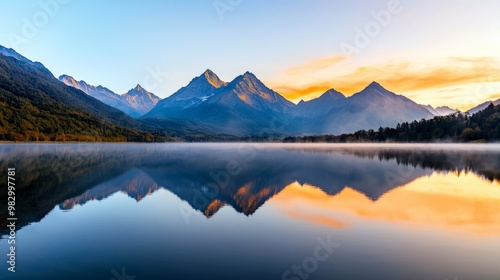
{"x":37,"y":106}
{"x":483,"y":106}
{"x":135,"y":103}
{"x":440,"y":111}
{"x":370,"y":108}
{"x":329,"y":100}
{"x":483,"y":126}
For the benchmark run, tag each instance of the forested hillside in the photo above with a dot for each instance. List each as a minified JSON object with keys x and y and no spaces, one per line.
{"x":483,"y":126}
{"x":34,"y":106}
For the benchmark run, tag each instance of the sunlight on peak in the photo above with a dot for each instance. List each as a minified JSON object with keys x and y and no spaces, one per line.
{"x":245,"y":98}
{"x":266,"y":96}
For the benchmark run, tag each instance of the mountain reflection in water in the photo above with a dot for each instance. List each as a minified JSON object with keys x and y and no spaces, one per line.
{"x":455,"y":186}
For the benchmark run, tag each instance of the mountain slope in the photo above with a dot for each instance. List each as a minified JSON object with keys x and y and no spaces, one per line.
{"x":243,"y":107}
{"x":483,"y":106}
{"x":140,"y":100}
{"x":100,"y":93}
{"x":371,"y":108}
{"x":12,"y":53}
{"x":445,"y":110}
{"x":440,"y":111}
{"x":196,"y":92}
{"x":134,"y":103}
{"x":431,"y":110}
{"x":35,"y":105}
{"x":247,"y":89}
{"x":321,"y":105}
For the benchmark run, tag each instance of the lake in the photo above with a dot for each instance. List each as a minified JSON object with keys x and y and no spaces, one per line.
{"x":253,"y":211}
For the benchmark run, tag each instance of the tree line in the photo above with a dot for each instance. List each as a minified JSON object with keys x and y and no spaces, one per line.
{"x":483,"y":126}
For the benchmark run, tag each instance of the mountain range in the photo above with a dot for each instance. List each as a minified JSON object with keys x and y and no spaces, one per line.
{"x":242,"y":107}
{"x":135,"y":103}
{"x":367,"y":109}
{"x":440,"y":111}
{"x":37,"y":106}
{"x":483,"y":106}
{"x":246,"y":106}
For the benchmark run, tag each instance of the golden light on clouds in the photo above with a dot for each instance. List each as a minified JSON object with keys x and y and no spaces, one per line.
{"x":315,"y":65}
{"x":310,"y":90}
{"x":306,"y":93}
{"x":421,"y":81}
{"x":464,"y":203}
{"x":495,"y":96}
{"x":403,"y":77}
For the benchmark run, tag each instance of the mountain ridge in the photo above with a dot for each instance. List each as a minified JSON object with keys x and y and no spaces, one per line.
{"x":36,"y":106}
{"x":243,"y":107}
{"x":441,"y":110}
{"x":135,"y":103}
{"x":246,"y":106}
{"x":366,"y":109}
{"x":482,"y":106}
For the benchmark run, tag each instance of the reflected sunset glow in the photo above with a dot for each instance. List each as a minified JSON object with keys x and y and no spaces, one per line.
{"x":465,"y":203}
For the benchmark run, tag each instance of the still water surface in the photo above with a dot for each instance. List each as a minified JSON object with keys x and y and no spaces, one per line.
{"x":253,"y":211}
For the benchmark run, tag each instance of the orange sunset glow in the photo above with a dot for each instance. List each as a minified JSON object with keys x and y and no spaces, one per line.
{"x":250,"y":139}
{"x":464,"y":203}
{"x":461,"y":82}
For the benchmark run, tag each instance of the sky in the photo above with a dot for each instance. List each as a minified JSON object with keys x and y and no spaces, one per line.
{"x":434,"y":52}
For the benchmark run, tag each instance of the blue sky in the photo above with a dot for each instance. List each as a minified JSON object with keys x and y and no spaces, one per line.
{"x":293,"y":46}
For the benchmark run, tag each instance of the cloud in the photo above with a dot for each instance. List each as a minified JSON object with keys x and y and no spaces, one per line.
{"x":495,"y":96}
{"x":400,"y":77}
{"x":297,"y":73}
{"x":307,"y":92}
{"x":315,"y":65}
